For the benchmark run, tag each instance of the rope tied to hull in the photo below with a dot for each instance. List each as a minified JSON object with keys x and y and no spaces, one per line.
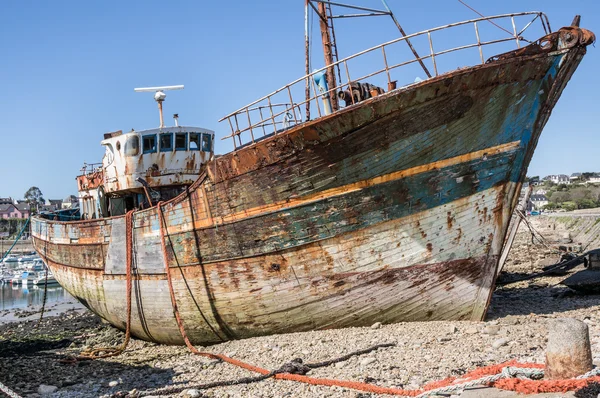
{"x":106,"y":352}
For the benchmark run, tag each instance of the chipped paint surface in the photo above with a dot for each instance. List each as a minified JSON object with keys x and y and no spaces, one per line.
{"x":395,"y":210}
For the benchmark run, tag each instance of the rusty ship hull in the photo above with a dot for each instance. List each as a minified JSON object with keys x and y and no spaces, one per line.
{"x":394,"y":209}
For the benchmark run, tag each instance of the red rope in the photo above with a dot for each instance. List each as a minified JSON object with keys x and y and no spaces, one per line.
{"x":519,"y":385}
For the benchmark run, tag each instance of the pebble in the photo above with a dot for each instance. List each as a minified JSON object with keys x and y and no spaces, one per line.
{"x":376,"y":325}
{"x":45,"y":389}
{"x":471,"y":331}
{"x":491,"y":330}
{"x":192,"y":393}
{"x":452,"y":329}
{"x":500,"y":342}
{"x":367,"y":361}
{"x":113,"y":383}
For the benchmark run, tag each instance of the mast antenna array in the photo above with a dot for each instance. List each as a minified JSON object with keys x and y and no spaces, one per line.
{"x":159,"y":96}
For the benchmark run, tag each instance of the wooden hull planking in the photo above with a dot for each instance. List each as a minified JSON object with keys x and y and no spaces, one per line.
{"x":394,"y":209}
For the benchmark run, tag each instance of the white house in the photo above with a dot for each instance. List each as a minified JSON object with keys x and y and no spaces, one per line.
{"x":558,"y":178}
{"x":538,"y":201}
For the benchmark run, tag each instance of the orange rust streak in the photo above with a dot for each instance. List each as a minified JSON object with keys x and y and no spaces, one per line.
{"x":362,"y":184}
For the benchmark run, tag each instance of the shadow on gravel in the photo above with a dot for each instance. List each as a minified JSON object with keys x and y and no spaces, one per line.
{"x":537,"y":297}
{"x":25,"y":365}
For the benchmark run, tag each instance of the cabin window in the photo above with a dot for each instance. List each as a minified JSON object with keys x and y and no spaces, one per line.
{"x":194,"y":141}
{"x":149,"y":142}
{"x":166,"y":142}
{"x":132,"y":146}
{"x":206,"y":142}
{"x":181,"y":142}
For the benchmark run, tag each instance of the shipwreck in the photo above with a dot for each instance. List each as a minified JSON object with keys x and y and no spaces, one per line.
{"x":348,"y":199}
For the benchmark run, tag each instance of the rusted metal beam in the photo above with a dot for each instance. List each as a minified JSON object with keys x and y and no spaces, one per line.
{"x":328,"y":54}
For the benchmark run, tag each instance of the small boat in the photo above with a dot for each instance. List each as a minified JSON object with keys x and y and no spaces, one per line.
{"x":348,"y":199}
{"x":10,"y":259}
{"x":27,"y":259}
{"x":19,"y":277}
{"x":41,"y":279}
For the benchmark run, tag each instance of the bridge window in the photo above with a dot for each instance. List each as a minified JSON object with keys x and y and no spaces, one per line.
{"x":166,"y":142}
{"x":149,"y":142}
{"x":206,"y":142}
{"x":132,"y":146}
{"x":181,"y":141}
{"x":194,"y":141}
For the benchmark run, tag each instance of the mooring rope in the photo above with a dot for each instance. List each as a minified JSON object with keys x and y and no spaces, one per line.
{"x":44,"y":299}
{"x":105,"y":352}
{"x":8,"y":391}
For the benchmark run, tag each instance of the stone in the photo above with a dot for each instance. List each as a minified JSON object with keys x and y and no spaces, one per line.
{"x":367,"y":361}
{"x":113,"y":383}
{"x":568,"y":353}
{"x":491,"y":330}
{"x":376,"y":325}
{"x":45,"y":389}
{"x":192,"y":393}
{"x":471,"y":331}
{"x":452,"y":329}
{"x":500,"y":342}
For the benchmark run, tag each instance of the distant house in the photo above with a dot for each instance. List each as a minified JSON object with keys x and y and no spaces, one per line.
{"x":50,"y":208}
{"x":6,"y":201}
{"x":595,"y":179}
{"x":24,"y":209}
{"x":558,"y":178}
{"x":575,"y":177}
{"x":538,"y":201}
{"x":57,"y":203}
{"x":11,"y":211}
{"x":540,"y":191}
{"x":70,"y":202}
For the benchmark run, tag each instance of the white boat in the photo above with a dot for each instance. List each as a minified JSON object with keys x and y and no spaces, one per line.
{"x":41,"y":279}
{"x":27,"y":259}
{"x":10,"y":259}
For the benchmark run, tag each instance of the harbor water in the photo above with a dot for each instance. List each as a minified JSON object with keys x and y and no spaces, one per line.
{"x":28,"y":295}
{"x":23,"y":295}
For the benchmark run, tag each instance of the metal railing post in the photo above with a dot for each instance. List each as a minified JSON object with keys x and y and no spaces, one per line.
{"x":512,"y":20}
{"x":349,"y":86}
{"x":387,"y":69}
{"x":232,"y":132}
{"x":272,"y":117}
{"x":250,"y":125}
{"x":479,"y":43}
{"x":292,"y":105}
{"x":432,"y":53}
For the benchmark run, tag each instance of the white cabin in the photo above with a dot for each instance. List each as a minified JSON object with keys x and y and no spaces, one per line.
{"x":141,"y":168}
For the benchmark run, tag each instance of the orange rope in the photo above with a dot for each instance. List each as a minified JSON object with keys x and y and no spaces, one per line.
{"x":519,"y":385}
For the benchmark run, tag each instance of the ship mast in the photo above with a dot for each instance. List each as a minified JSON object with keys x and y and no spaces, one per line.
{"x":329,"y":45}
{"x":328,"y":53}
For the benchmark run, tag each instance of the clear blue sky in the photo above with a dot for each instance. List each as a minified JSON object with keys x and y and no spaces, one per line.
{"x":68,"y":69}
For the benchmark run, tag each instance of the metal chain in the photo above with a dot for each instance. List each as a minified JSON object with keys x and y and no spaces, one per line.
{"x":8,"y":391}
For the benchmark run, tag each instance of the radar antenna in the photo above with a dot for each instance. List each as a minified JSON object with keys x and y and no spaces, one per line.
{"x":159,"y":96}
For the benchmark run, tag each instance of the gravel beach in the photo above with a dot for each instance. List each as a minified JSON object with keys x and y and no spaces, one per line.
{"x":37,"y":361}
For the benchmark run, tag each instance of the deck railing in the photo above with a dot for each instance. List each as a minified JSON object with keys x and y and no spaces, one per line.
{"x":281,"y":109}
